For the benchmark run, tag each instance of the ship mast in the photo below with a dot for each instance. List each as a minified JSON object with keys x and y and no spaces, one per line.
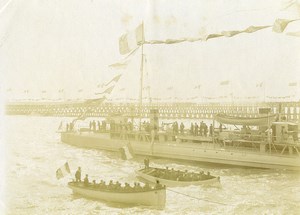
{"x":141,"y":82}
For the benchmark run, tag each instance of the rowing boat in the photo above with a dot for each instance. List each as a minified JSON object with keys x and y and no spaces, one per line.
{"x":155,"y":197}
{"x":176,"y":178}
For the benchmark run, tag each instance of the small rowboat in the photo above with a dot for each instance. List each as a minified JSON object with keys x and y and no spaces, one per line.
{"x":155,"y":197}
{"x":173,"y":178}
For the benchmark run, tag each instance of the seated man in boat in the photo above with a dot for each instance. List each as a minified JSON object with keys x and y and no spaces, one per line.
{"x":111,"y":185}
{"x":78,"y":175}
{"x":117,"y":186}
{"x":146,"y":162}
{"x":127,"y":187}
{"x":158,"y":185}
{"x":137,"y":186}
{"x":102,"y":184}
{"x":146,"y":187}
{"x":86,"y":180}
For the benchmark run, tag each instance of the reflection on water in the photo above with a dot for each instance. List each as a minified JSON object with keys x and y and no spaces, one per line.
{"x":35,"y":152}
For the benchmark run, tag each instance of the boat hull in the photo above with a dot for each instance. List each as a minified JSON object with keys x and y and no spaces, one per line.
{"x":171,"y":183}
{"x":203,"y":152}
{"x":155,"y":198}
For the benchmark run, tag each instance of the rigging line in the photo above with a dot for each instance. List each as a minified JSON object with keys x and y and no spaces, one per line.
{"x":193,"y":197}
{"x":5,"y":6}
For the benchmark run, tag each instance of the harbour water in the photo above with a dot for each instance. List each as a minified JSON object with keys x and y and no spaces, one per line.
{"x":34,"y":153}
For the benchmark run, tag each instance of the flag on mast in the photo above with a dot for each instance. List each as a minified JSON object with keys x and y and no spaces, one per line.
{"x":131,"y":40}
{"x":107,"y":91}
{"x":259,"y":84}
{"x":292,"y":84}
{"x":224,"y":83}
{"x":115,"y":79}
{"x":63,"y":171}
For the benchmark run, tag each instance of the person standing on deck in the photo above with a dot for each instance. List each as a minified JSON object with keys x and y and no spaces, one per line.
{"x":201,"y":128}
{"x":192,"y":129}
{"x":86,"y":180}
{"x":196,"y":129}
{"x":78,"y":175}
{"x":181,"y":128}
{"x":211,"y":130}
{"x":99,"y":126}
{"x":205,"y":130}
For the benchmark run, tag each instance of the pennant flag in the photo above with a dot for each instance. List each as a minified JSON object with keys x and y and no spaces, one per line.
{"x":122,"y":89}
{"x":80,"y":90}
{"x":95,"y":101}
{"x":107,"y":91}
{"x":126,"y":152}
{"x":224,"y":82}
{"x":44,"y":91}
{"x":120,"y":65}
{"x":211,"y":36}
{"x":9,"y":90}
{"x":253,"y":29}
{"x":63,"y":171}
{"x":259,"y":84}
{"x":280,"y":25}
{"x":170,"y":88}
{"x":131,"y":40}
{"x":292,"y":84}
{"x":115,"y":79}
{"x":295,"y":34}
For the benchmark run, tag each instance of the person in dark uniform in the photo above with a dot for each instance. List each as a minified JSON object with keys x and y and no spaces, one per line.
{"x":146,"y":162}
{"x":192,"y":129}
{"x":86,"y":180}
{"x":211,"y":130}
{"x":78,"y":175}
{"x":196,"y":129}
{"x":181,"y":128}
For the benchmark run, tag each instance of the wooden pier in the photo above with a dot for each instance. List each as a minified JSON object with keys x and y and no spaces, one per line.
{"x":166,"y":110}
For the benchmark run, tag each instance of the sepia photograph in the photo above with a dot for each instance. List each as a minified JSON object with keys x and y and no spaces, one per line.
{"x":149,"y":107}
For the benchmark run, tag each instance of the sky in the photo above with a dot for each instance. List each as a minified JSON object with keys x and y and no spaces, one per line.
{"x":53,"y":45}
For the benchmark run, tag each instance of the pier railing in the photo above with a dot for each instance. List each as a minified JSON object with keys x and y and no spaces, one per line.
{"x":166,"y":110}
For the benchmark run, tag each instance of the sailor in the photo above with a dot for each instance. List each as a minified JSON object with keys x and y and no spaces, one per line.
{"x":86,"y":180}
{"x":192,"y":129}
{"x":205,"y":129}
{"x":201,"y":128}
{"x":94,"y":125}
{"x":220,"y":127}
{"x":158,"y":185}
{"x":196,"y":129}
{"x":67,"y":126}
{"x":146,"y":162}
{"x":99,"y":126}
{"x":176,"y":127}
{"x":78,"y":174}
{"x":181,"y":128}
{"x":211,"y":130}
{"x":146,"y":187}
{"x":91,"y":125}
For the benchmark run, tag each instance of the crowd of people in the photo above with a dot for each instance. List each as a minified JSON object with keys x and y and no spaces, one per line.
{"x":196,"y":130}
{"x":177,"y":175}
{"x":114,"y":186}
{"x":97,"y":126}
